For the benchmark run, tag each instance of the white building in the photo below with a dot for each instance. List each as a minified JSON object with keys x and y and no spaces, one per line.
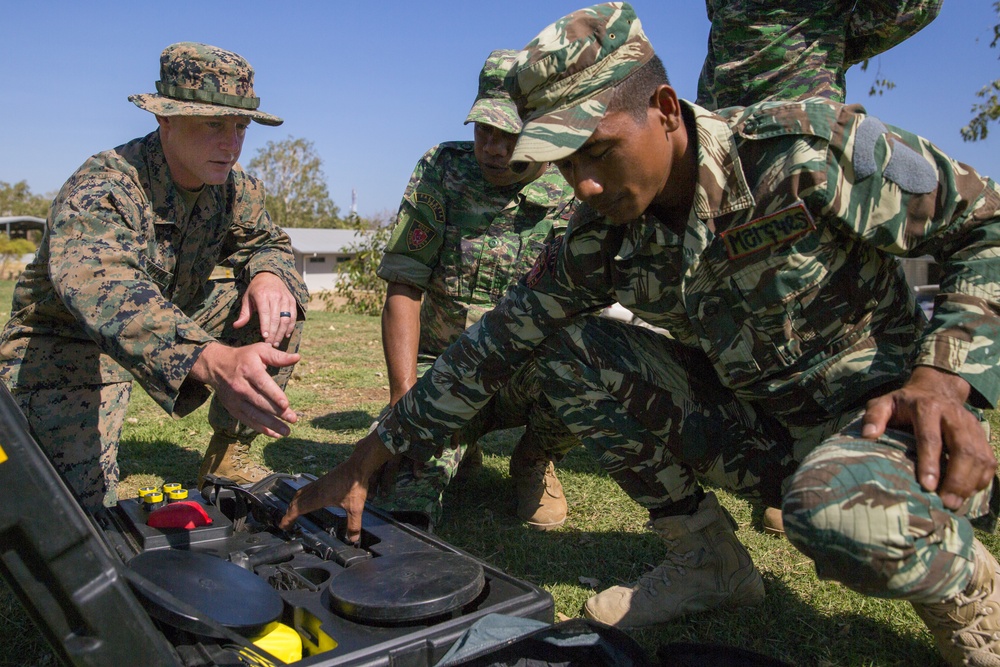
{"x":17,"y":226}
{"x":318,"y":252}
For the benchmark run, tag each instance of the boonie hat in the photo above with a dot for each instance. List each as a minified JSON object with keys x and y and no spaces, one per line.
{"x":563,"y":80}
{"x":493,"y":105}
{"x":202,"y":80}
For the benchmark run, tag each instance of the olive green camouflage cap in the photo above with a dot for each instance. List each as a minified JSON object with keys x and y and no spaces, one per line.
{"x":202,"y":80}
{"x":493,"y":105}
{"x":563,"y":80}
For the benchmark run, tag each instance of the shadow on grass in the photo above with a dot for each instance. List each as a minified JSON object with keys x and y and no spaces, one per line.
{"x":479,"y":518}
{"x":342,"y":421}
{"x":158,"y":458}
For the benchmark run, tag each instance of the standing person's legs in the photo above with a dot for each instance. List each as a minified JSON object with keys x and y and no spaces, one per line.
{"x":541,"y":502}
{"x":655,"y":416}
{"x":855,"y":507}
{"x":228,"y":450}
{"x":419,"y":486}
{"x":79,"y":429}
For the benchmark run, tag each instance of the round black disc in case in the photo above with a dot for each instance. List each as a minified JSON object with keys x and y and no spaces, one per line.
{"x":231,"y":596}
{"x":406,"y":587}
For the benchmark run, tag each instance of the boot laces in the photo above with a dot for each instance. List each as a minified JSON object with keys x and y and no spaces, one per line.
{"x":675,"y":562}
{"x":240,"y":457}
{"x":536,"y":470}
{"x":969,"y":636}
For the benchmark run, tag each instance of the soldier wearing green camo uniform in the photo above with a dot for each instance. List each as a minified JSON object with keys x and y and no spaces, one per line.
{"x":467,"y":228}
{"x":121,"y":286}
{"x":800,"y":369}
{"x":772,"y":49}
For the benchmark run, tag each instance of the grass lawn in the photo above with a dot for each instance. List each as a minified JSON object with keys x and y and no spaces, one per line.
{"x":338,"y":389}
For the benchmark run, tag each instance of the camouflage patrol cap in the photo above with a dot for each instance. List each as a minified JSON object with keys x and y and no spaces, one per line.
{"x":563,"y":80}
{"x":202,"y":80}
{"x":493,"y":105}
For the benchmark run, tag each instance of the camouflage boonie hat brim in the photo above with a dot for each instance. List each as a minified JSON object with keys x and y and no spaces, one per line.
{"x":563,"y":80}
{"x":202,"y":80}
{"x":493,"y":105}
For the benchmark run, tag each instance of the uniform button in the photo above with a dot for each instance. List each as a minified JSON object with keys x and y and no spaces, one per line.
{"x":494,"y":243}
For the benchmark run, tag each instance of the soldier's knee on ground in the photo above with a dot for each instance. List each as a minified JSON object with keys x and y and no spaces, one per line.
{"x":841,"y":511}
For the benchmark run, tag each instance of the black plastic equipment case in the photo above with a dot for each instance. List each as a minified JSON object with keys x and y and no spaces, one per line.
{"x":74,"y":574}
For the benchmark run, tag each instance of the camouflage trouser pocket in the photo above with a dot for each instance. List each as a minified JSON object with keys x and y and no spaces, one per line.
{"x":79,"y":429}
{"x":855,"y":507}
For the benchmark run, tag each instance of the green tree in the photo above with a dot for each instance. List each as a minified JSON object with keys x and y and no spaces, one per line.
{"x":989,"y":109}
{"x":360,"y":290}
{"x":11,"y":251}
{"x":17,"y":199}
{"x":293,"y":177}
{"x":880,"y":84}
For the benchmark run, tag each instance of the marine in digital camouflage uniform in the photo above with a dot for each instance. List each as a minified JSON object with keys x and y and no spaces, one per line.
{"x":772,"y":49}
{"x":121,"y":286}
{"x":801,"y":370}
{"x":467,"y":229}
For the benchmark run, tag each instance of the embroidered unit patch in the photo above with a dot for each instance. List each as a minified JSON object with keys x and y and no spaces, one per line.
{"x":778,"y":227}
{"x":433,"y":204}
{"x":418,"y":236}
{"x":546,"y":262}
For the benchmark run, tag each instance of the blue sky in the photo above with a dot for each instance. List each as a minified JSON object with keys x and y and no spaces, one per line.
{"x":373,"y":85}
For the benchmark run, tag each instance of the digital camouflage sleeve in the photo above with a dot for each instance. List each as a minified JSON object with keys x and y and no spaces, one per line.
{"x":121,"y":259}
{"x":462,"y":241}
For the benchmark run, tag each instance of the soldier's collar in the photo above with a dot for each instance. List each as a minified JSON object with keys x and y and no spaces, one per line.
{"x":721,"y":187}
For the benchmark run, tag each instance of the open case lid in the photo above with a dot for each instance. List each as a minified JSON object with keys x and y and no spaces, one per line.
{"x":53,"y":558}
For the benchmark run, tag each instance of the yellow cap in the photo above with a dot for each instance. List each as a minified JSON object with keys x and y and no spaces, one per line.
{"x":146,"y":490}
{"x":177,"y":494}
{"x":170,"y":486}
{"x":281,"y":641}
{"x":153,"y":496}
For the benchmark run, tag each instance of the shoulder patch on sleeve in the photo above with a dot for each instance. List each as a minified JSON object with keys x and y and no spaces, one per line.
{"x":545,"y":263}
{"x":906,"y":168}
{"x":435,"y":207}
{"x":418,"y":236}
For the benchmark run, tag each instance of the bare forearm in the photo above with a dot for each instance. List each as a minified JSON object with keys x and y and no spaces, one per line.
{"x":401,"y":337}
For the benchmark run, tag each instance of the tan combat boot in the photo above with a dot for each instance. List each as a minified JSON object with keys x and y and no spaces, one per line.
{"x":706,"y":568}
{"x":470,"y":465}
{"x":540,"y":499}
{"x":773,"y":523}
{"x":967,"y":627}
{"x":230,"y":458}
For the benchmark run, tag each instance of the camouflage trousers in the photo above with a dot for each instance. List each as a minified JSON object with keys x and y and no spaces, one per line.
{"x":419,"y":486}
{"x":656,"y":417}
{"x":79,"y":425}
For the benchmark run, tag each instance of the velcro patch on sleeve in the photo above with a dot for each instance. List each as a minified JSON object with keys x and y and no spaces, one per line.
{"x":760,"y":233}
{"x":906,"y":168}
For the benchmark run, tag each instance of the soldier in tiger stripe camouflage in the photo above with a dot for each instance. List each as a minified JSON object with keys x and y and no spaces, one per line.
{"x":799,"y":369}
{"x":777,"y":50}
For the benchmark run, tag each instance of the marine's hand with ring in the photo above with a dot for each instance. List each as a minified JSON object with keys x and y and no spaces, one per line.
{"x":269,"y":297}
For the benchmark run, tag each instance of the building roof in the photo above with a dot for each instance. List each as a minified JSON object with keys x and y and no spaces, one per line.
{"x":22,"y":221}
{"x":310,"y":241}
